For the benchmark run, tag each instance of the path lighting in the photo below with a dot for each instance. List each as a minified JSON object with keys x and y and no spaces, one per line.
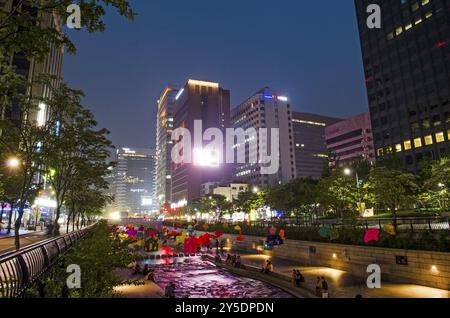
{"x":255,"y":190}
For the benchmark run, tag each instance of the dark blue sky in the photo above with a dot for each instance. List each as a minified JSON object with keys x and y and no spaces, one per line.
{"x":309,"y":49}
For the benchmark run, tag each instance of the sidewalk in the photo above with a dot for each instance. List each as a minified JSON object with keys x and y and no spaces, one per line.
{"x":341,"y":283}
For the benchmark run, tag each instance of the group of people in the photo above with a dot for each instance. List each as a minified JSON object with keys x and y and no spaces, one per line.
{"x":322,"y":287}
{"x":148,"y":273}
{"x":234,"y":260}
{"x":297,"y":277}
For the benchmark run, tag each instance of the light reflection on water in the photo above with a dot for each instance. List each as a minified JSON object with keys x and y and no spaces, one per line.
{"x":197,"y":278}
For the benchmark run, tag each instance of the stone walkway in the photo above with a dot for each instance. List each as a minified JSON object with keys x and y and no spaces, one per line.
{"x":341,"y":283}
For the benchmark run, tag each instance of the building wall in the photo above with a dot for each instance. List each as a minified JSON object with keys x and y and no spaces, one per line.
{"x":407,"y":69}
{"x":350,"y":140}
{"x":269,"y":109}
{"x":232,"y":191}
{"x":164,"y":128}
{"x":425,"y":268}
{"x":210,"y":103}
{"x":310,"y":146}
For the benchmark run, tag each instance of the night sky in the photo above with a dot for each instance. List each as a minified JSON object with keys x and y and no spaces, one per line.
{"x":308,"y":49}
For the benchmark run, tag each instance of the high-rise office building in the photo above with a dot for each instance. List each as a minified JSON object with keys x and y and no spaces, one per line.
{"x":164,"y":128}
{"x":350,"y":140}
{"x":310,"y":147}
{"x":30,"y":68}
{"x":135,"y":180}
{"x":266,"y":109}
{"x":209,"y":103}
{"x":407,"y":69}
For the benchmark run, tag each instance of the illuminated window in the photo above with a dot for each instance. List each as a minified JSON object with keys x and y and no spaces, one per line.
{"x":388,"y":149}
{"x":418,"y":21}
{"x":390,"y":36}
{"x":399,"y":30}
{"x":428,"y":140}
{"x":429,"y":15}
{"x":380,"y":152}
{"x":417,"y":142}
{"x":398,"y":147}
{"x":408,"y":145}
{"x":425,"y":2}
{"x":440,"y":137}
{"x":408,"y":26}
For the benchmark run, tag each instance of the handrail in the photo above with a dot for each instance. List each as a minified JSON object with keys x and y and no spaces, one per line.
{"x":20,"y":269}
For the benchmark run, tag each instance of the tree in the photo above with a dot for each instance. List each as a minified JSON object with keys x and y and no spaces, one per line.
{"x":75,"y":148}
{"x":338,"y":192}
{"x":23,"y":139}
{"x":437,"y":182}
{"x":26,"y":29}
{"x":392,"y":188}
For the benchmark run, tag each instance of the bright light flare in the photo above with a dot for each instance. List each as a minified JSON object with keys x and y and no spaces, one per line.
{"x":115,"y":216}
{"x":13,"y":162}
{"x":206,"y":157}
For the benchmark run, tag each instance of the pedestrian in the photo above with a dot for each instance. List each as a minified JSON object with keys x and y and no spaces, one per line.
{"x":299,"y":278}
{"x":228,"y":259}
{"x":233,"y":259}
{"x":318,"y":287}
{"x":137,"y":269}
{"x":324,"y":287}
{"x":222,"y":246}
{"x":238,"y":262}
{"x":146,"y":270}
{"x":170,"y":290}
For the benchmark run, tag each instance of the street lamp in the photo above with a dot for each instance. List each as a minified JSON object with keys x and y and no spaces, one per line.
{"x":13,"y":163}
{"x":348,"y":172}
{"x":255,"y":190}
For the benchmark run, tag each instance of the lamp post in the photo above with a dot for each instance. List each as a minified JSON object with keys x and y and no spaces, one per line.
{"x":348,"y":172}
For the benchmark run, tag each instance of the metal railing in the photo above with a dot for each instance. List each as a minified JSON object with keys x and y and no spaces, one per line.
{"x":20,"y":269}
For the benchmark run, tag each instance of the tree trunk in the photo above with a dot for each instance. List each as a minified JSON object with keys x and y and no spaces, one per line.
{"x":68,"y":221}
{"x":1,"y":214}
{"x":394,"y":216}
{"x":56,"y":224}
{"x":73,"y":221}
{"x":17,"y":225}
{"x":10,"y":219}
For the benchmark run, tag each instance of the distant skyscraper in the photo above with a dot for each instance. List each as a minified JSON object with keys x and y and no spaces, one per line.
{"x":407,"y":65}
{"x":164,"y":128}
{"x":265,"y":109}
{"x":350,"y":140}
{"x":310,"y":147}
{"x":209,"y":103}
{"x":135,"y":180}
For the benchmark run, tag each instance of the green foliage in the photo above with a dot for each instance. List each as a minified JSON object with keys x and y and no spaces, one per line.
{"x":98,"y":255}
{"x":29,"y":29}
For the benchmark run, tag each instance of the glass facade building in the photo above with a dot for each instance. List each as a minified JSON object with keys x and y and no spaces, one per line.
{"x":407,"y":64}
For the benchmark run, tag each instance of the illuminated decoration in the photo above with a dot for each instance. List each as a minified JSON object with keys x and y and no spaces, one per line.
{"x":268,"y":96}
{"x":206,"y":158}
{"x":203,"y":83}
{"x":282,"y":98}
{"x":442,"y":44}
{"x":308,"y":122}
{"x":389,"y":229}
{"x":40,"y":119}
{"x":179,"y":94}
{"x":44,"y":202}
{"x":371,"y":235}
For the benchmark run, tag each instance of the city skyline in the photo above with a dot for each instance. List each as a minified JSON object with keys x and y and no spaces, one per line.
{"x":314,"y":52}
